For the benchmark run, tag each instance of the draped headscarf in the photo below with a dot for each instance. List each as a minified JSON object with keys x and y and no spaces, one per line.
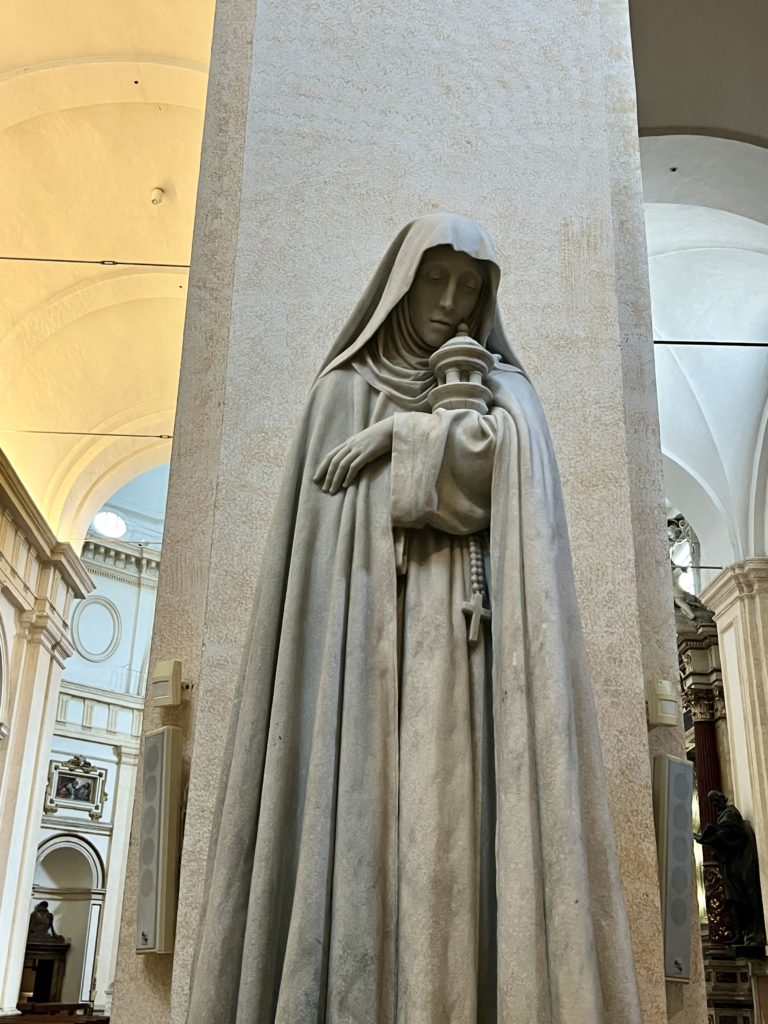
{"x":379,"y":339}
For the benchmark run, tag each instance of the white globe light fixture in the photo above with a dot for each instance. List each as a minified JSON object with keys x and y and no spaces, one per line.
{"x":109,"y":524}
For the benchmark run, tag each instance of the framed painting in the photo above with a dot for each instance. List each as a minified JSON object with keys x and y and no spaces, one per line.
{"x":77,"y":785}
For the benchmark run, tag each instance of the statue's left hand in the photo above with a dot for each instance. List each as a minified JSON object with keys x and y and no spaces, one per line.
{"x":342,"y":464}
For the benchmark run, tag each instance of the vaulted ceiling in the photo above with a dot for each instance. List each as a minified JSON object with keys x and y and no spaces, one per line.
{"x":99,"y":107}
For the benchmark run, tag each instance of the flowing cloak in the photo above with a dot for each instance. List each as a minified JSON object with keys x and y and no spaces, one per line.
{"x":315,"y":910}
{"x":736,"y":848}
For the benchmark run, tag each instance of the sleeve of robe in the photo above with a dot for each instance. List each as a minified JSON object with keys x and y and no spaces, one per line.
{"x":442,"y":468}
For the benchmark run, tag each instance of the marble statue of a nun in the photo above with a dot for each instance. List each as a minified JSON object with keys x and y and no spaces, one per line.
{"x":413,"y":826}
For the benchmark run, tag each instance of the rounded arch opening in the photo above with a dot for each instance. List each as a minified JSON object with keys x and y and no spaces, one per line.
{"x":67,"y":861}
{"x":69,"y":881}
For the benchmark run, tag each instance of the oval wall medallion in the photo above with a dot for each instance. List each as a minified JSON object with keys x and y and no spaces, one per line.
{"x":96,"y":628}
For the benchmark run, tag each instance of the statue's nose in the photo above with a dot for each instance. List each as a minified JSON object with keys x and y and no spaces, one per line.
{"x":448,"y":299}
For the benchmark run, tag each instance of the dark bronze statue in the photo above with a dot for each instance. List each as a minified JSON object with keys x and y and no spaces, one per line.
{"x":41,"y":925}
{"x":733,"y":842}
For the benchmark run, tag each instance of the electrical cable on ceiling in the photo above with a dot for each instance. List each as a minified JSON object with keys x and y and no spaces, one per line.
{"x":98,"y":263}
{"x":86,"y":433}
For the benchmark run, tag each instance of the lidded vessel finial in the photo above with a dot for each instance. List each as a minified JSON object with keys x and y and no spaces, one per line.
{"x":460,"y":366}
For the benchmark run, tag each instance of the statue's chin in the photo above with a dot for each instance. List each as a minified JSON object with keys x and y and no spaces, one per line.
{"x":433,"y":337}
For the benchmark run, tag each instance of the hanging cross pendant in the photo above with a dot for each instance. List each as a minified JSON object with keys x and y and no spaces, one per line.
{"x":475,"y":613}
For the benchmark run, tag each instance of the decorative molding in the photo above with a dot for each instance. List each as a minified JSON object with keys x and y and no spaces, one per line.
{"x":50,"y":892}
{"x":721,"y":930}
{"x":84,"y":825}
{"x":111,"y":559}
{"x":743,"y":579}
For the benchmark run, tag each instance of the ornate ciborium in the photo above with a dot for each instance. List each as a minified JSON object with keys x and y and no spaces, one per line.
{"x":460,"y":366}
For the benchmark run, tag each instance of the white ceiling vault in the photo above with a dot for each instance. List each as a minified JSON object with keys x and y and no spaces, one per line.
{"x":707,"y":230}
{"x":99,"y":106}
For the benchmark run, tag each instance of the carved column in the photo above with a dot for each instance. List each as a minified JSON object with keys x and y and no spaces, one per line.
{"x":702,"y":709}
{"x":701,"y":675}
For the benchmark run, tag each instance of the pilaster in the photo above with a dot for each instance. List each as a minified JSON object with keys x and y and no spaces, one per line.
{"x":39,"y":577}
{"x":738,"y":597}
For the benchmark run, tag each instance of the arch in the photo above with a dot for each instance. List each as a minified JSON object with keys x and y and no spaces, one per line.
{"x":30,"y":92}
{"x":91,"y":856}
{"x":709,"y":171}
{"x":30,"y":333}
{"x":76,"y":900}
{"x":98,"y":466}
{"x":703,"y":131}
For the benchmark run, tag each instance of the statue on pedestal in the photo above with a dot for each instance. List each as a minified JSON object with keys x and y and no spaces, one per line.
{"x":735,"y":848}
{"x":414,"y":827}
{"x":41,"y":925}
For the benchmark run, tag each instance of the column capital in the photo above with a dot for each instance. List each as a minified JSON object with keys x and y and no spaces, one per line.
{"x":700,"y":703}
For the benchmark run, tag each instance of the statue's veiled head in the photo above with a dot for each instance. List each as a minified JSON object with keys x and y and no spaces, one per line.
{"x":718,"y":800}
{"x":445,"y":292}
{"x":436,"y":299}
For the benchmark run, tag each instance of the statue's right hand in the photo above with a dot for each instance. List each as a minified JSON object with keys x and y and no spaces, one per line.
{"x":342,"y":464}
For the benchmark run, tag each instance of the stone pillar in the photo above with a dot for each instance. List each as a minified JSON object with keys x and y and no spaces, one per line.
{"x":739,"y":601}
{"x":328,"y":127}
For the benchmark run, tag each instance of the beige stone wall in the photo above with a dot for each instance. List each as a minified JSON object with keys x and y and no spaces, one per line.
{"x":360,"y":117}
{"x":652,"y":618}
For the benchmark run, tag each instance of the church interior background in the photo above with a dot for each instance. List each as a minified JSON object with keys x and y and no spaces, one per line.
{"x":102,"y":121}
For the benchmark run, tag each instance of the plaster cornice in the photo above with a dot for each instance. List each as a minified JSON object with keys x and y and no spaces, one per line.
{"x":743,"y":579}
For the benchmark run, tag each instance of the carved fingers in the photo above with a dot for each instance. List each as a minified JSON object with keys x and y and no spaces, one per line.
{"x":342,"y":464}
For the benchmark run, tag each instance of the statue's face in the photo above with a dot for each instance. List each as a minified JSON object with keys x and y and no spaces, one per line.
{"x":444,"y":293}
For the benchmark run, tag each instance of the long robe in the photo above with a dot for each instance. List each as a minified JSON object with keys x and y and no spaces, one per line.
{"x":347,"y":882}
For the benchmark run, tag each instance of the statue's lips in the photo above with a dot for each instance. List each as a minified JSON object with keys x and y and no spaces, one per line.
{"x":442,"y":323}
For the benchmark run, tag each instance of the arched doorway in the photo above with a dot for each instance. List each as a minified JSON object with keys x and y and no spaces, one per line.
{"x":70,"y":876}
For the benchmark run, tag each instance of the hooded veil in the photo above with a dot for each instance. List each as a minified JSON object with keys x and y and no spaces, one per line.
{"x":411,"y":831}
